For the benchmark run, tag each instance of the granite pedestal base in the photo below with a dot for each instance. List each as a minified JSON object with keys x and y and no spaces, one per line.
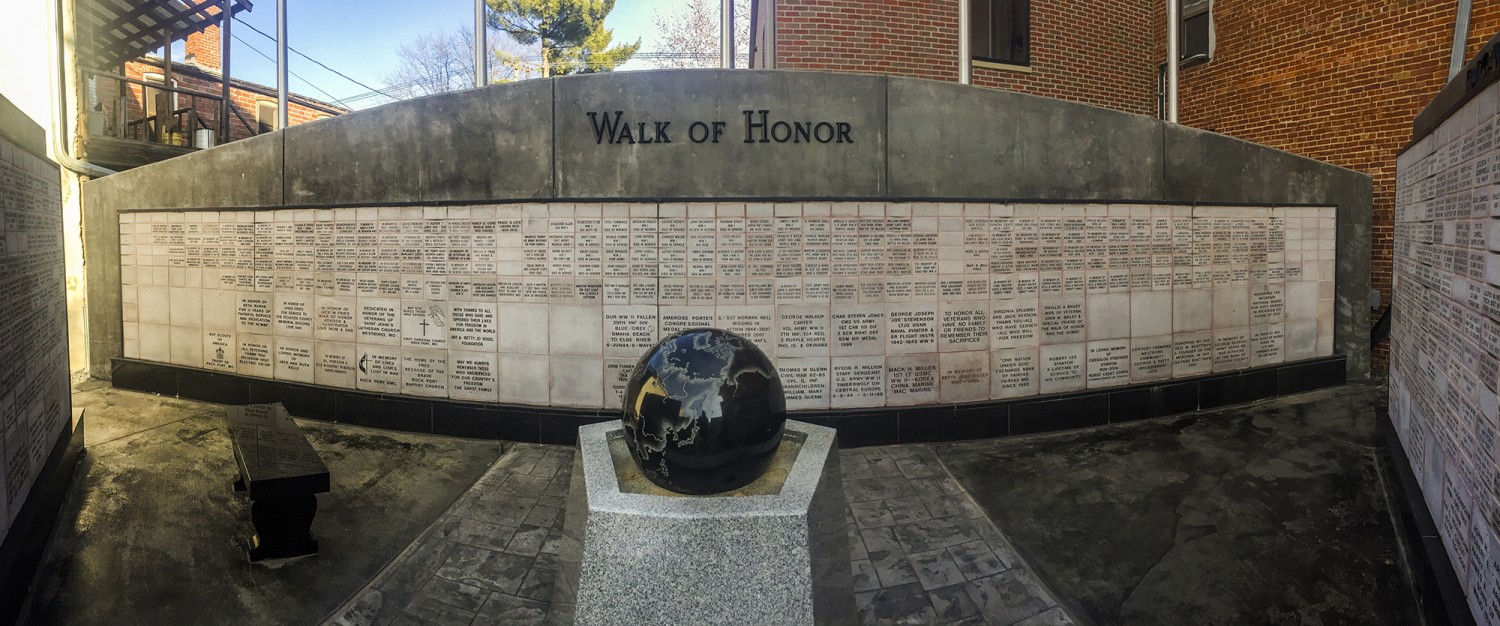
{"x":773,"y":552}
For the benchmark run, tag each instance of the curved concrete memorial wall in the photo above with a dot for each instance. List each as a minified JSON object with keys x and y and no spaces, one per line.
{"x":893,"y":244}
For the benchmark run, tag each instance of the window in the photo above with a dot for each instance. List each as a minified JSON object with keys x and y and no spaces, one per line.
{"x":1196,"y":31}
{"x":153,"y":95}
{"x":1000,"y":31}
{"x":265,"y":116}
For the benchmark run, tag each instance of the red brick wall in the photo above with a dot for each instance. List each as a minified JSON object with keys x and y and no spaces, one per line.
{"x":1336,"y":81}
{"x":1091,"y":51}
{"x":203,"y":48}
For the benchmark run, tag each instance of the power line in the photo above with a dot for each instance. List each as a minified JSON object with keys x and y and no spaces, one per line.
{"x":315,"y":61}
{"x":289,"y":71}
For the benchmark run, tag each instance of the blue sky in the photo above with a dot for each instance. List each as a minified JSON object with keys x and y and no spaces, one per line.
{"x":360,"y":38}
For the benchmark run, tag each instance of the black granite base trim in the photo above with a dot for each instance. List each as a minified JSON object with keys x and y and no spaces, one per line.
{"x":857,"y":427}
{"x":29,"y":534}
{"x":1435,"y":585}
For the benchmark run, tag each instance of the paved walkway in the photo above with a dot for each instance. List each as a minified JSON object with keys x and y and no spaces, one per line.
{"x":921,"y":551}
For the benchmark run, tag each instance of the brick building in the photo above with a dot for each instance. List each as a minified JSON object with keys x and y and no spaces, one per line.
{"x":1332,"y":80}
{"x":253,"y":106}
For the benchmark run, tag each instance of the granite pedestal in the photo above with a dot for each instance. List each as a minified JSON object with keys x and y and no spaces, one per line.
{"x":773,"y":552}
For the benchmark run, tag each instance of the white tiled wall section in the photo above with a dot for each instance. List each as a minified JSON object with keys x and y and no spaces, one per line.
{"x":1445,"y":338}
{"x":859,"y":304}
{"x":34,"y":403}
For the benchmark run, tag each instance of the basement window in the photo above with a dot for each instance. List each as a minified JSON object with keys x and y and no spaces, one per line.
{"x":1000,"y":31}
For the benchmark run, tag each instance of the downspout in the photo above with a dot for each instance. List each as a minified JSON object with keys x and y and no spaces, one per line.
{"x":965,"y":58}
{"x":61,"y":140}
{"x":1460,"y":37}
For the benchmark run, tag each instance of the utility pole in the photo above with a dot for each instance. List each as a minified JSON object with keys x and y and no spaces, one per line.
{"x":1174,"y":22}
{"x":281,"y":60}
{"x":726,"y":34}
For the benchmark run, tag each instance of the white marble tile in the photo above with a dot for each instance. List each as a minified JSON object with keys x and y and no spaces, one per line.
{"x":523,"y":329}
{"x":963,"y":325}
{"x":186,"y":307}
{"x":255,"y":355}
{"x":378,"y":368}
{"x":1062,"y":319}
{"x":1150,"y":313}
{"x":617,"y":374}
{"x":857,"y":330}
{"x":1192,"y":310}
{"x":1107,"y":316}
{"x":675,"y":319}
{"x":1301,"y":301}
{"x":755,"y":323}
{"x":219,"y":309}
{"x":186,"y":346}
{"x":335,"y":364}
{"x":334,"y":319}
{"x":1267,"y":345}
{"x":524,"y":378}
{"x":1231,"y":307}
{"x":293,"y":359}
{"x":1014,"y":373}
{"x":576,"y":331}
{"x":219,"y":350}
{"x":155,"y":306}
{"x":292,"y":315}
{"x":577,"y":381}
{"x":424,"y":372}
{"x":804,"y":382}
{"x":1301,"y":340}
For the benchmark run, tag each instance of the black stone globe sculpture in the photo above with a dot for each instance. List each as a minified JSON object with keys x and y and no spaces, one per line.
{"x":704,"y":412}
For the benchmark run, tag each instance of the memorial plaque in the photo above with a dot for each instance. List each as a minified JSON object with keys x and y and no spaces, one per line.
{"x":911,"y":379}
{"x":1231,"y":349}
{"x":1192,"y":354}
{"x":805,"y":382}
{"x":1062,"y":319}
{"x":963,"y":376}
{"x":294,"y":315}
{"x":378,"y":322}
{"x":858,"y":330}
{"x":472,"y":326}
{"x":1063,"y":367}
{"x":857,"y":382}
{"x":1013,"y":373}
{"x":802,"y":331}
{"x":335,"y":364}
{"x":254,"y":313}
{"x":1108,"y":363}
{"x":473,"y":377}
{"x":219,"y":350}
{"x":629,"y":331}
{"x":294,"y":360}
{"x":1267,"y":345}
{"x":256,"y":355}
{"x":911,"y":328}
{"x":334,"y":319}
{"x":963,"y":326}
{"x":756,"y":323}
{"x":424,"y":372}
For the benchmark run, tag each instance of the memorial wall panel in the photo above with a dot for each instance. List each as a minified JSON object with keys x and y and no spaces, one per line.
{"x":1445,"y":337}
{"x":860,"y":304}
{"x":34,"y":391}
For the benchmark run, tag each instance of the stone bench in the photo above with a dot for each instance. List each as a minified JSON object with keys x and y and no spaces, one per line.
{"x":282,"y":474}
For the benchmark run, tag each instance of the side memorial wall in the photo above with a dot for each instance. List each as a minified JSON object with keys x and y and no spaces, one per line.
{"x":895,"y":244}
{"x":40,"y":442}
{"x":1445,"y":330}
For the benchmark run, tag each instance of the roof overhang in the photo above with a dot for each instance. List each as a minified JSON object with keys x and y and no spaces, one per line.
{"x":111,"y":32}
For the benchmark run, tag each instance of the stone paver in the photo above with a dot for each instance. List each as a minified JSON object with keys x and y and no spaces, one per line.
{"x":921,"y":551}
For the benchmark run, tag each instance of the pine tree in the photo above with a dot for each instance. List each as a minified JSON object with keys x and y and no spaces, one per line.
{"x":571,"y":33}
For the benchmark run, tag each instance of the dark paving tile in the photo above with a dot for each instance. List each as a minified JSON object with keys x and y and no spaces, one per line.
{"x":865,"y":577}
{"x":527,"y":541}
{"x":872,"y":514}
{"x":904,"y":604}
{"x":935,"y":568}
{"x":495,"y":571}
{"x":473,"y":532}
{"x":951,"y":604}
{"x":455,"y":594}
{"x":1218,"y":517}
{"x":976,"y":560}
{"x":1050,"y":617}
{"x":539,"y":581}
{"x":1005,"y":598}
{"x":512,"y":611}
{"x":425,"y":611}
{"x":938,"y":533}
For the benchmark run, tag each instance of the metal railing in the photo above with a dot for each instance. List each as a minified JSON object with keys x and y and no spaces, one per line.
{"x":153,"y":112}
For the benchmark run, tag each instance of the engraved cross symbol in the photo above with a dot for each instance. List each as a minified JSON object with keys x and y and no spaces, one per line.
{"x":424,"y":327}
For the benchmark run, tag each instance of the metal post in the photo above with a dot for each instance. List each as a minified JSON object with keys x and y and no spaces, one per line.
{"x":481,"y":46}
{"x":281,"y":60}
{"x":965,"y":56}
{"x":726,"y":34}
{"x":1460,"y":37}
{"x":1174,"y":22}
{"x":226,"y":16}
